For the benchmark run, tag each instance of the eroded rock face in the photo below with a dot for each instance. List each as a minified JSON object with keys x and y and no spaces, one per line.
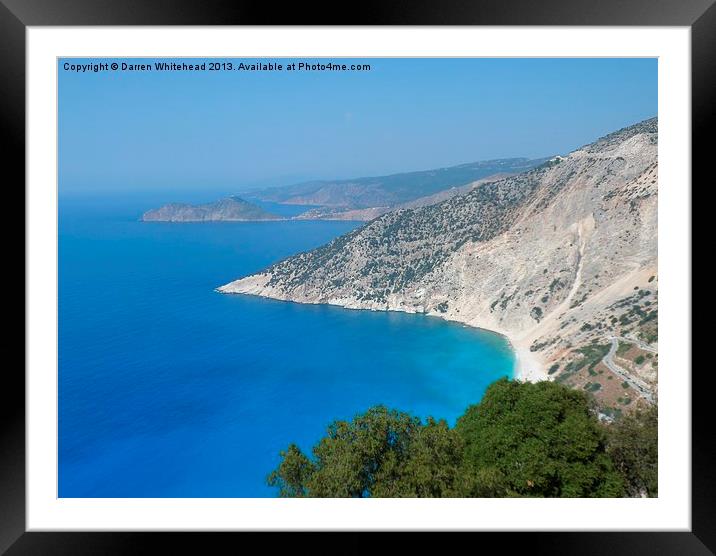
{"x":545,"y":257}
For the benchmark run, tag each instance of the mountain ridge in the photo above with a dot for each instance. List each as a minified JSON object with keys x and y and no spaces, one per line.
{"x":389,"y":190}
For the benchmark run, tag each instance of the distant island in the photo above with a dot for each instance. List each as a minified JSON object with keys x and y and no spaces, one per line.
{"x":360,"y":199}
{"x":231,"y":209}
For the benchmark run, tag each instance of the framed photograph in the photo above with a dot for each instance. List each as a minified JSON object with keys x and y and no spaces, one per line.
{"x":427,"y":270}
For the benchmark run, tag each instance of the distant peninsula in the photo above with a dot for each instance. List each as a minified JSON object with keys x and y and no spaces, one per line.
{"x":231,"y":209}
{"x":360,"y":199}
{"x":368,"y":197}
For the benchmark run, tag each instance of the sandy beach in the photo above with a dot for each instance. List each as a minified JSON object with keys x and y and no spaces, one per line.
{"x":530,"y":367}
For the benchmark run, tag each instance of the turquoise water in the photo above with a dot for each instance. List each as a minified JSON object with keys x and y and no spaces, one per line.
{"x":169,"y":389}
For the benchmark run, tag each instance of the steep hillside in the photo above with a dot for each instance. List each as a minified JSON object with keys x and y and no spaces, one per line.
{"x":388,"y":191}
{"x":561,"y":259}
{"x":229,"y":209}
{"x":374,"y":212}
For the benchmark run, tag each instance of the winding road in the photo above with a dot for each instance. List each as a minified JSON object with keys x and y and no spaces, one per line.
{"x":637,"y":384}
{"x":637,"y":343}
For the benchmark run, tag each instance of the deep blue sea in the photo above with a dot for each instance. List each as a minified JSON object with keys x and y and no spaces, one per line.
{"x":169,"y":389}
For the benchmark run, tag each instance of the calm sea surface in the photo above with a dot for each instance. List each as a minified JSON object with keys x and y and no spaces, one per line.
{"x":167,"y":388}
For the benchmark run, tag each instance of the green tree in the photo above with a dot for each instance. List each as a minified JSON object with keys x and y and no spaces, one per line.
{"x":356,"y":454}
{"x":350,"y":459}
{"x":431,"y":468}
{"x":291,"y":476}
{"x":537,"y":440}
{"x":633,"y":446}
{"x":383,"y":453}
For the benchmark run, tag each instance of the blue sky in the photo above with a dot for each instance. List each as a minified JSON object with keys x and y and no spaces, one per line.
{"x":228,"y":131}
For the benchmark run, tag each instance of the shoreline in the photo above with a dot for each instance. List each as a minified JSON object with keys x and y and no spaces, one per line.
{"x":529,"y":367}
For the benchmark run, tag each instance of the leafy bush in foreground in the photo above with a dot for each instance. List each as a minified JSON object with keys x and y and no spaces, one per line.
{"x":379,"y":453}
{"x":633,"y":446}
{"x":540,"y":440}
{"x":522,"y":439}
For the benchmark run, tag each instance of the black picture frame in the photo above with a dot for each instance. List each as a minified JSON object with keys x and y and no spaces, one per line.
{"x":16,"y":15}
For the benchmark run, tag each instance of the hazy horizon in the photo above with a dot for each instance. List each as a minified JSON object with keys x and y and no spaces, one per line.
{"x":214,"y":133}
